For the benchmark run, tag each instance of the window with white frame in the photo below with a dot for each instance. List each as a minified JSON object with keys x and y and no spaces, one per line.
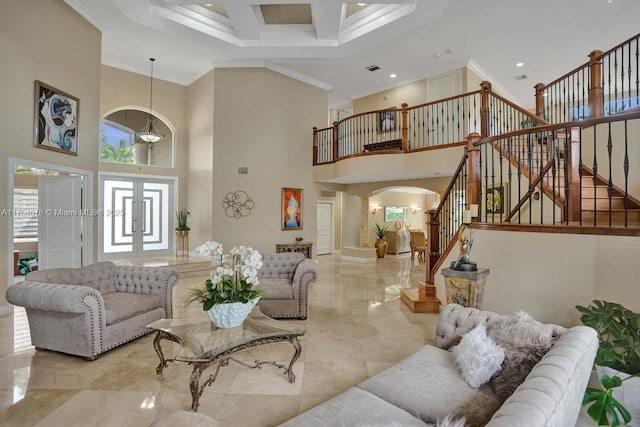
{"x":25,"y":218}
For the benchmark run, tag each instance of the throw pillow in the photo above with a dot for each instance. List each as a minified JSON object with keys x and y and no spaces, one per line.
{"x":448,"y":421}
{"x":477,"y":356}
{"x":525,"y":341}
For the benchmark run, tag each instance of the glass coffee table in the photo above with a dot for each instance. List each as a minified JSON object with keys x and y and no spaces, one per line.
{"x":202,"y":344}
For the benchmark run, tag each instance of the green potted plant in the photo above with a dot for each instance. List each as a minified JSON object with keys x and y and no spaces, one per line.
{"x":381,"y":244}
{"x":617,"y":364}
{"x":182,"y":229}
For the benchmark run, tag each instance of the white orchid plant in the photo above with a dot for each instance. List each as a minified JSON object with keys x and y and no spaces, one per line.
{"x":233,"y":278}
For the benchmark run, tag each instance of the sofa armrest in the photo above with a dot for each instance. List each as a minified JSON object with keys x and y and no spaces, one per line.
{"x":552,"y":393}
{"x":149,"y":280}
{"x":54,"y":297}
{"x":306,"y":273}
{"x":456,"y":320}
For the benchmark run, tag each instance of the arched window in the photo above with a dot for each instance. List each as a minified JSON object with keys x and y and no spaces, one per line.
{"x":119,"y":143}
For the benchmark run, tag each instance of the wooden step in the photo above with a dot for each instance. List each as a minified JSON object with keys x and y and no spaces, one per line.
{"x":411,"y":298}
{"x":426,"y":290}
{"x":602,"y":203}
{"x":589,"y":191}
{"x":617,"y":217}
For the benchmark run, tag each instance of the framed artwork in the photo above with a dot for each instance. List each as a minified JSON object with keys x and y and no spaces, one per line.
{"x":56,"y":120}
{"x":393,"y":213}
{"x":291,"y":206}
{"x":495,"y":199}
{"x":386,"y":121}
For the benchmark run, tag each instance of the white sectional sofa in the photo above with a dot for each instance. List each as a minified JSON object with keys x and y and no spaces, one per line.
{"x":425,"y":388}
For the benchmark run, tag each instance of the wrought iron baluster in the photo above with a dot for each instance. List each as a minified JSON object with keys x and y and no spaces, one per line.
{"x":625,"y":168}
{"x":610,"y":180}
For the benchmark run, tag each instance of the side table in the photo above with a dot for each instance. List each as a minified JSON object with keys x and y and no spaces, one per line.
{"x":303,"y":247}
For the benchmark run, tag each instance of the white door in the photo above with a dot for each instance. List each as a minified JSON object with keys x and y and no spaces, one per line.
{"x":443,"y":118}
{"x":137,"y":217}
{"x":325,"y":228}
{"x":60,"y":222}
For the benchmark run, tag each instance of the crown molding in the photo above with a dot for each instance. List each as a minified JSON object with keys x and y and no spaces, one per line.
{"x":83,"y":11}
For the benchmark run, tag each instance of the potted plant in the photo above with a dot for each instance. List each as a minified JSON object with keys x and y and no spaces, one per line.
{"x":182,"y":229}
{"x":617,"y":363}
{"x":381,"y":244}
{"x":230,"y":295}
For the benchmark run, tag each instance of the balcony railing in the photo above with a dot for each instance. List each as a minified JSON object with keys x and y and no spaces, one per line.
{"x":434,"y":124}
{"x":608,"y":84}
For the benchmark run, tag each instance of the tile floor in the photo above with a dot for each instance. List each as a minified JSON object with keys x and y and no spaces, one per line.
{"x":357,"y":327}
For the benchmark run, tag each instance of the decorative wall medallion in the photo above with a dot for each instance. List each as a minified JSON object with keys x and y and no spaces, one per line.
{"x":237,"y":204}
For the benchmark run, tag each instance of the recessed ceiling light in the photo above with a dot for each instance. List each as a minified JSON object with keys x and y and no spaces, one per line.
{"x":520,"y":64}
{"x":361,"y":4}
{"x":393,"y":75}
{"x":437,"y":55}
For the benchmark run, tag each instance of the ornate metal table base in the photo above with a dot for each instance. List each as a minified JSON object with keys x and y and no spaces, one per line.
{"x":222,"y":360}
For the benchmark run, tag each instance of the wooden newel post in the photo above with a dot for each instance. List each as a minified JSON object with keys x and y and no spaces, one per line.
{"x":485,"y":88}
{"x":539,"y":100}
{"x":335,"y":141}
{"x":433,"y":240}
{"x":405,"y":126}
{"x":474,"y":176}
{"x":315,"y":146}
{"x":572,"y":148}
{"x":596,"y":92}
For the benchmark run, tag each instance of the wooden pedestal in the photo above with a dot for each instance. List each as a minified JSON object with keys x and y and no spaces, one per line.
{"x":465,"y":287}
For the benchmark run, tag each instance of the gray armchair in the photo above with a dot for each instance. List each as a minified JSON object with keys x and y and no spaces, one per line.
{"x":89,"y":310}
{"x":285,"y":278}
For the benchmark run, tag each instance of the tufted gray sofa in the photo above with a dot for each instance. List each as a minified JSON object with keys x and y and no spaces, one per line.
{"x":88,"y":310}
{"x":285,"y":279}
{"x":426,"y":387}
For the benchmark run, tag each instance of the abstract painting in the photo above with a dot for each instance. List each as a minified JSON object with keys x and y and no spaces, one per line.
{"x":291,"y":206}
{"x":56,"y":120}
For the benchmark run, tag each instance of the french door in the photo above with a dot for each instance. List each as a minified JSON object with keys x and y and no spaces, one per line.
{"x":135,"y":217}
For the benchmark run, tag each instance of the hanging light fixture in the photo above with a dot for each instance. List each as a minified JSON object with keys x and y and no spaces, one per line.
{"x":149,"y":133}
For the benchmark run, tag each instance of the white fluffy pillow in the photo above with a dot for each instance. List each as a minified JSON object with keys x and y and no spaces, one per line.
{"x":477,"y":356}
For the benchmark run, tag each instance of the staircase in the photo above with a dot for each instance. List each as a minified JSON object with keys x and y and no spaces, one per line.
{"x":600,"y":211}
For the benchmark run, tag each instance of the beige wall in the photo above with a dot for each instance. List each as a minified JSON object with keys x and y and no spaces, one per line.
{"x":471,"y":81}
{"x":199,"y":193}
{"x":261,"y":120}
{"x":68,"y":61}
{"x":120,"y":89}
{"x":413,"y":94}
{"x":547,"y":274}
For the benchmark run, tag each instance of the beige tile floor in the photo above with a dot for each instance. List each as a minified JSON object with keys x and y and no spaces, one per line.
{"x":357,"y":327}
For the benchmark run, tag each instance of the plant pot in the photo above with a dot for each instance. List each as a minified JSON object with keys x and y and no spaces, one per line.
{"x":628,"y":394}
{"x":381,"y":248}
{"x":232,"y":314}
{"x":182,"y":233}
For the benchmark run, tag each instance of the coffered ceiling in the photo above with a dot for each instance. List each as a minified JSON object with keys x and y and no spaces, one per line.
{"x":330,"y":43}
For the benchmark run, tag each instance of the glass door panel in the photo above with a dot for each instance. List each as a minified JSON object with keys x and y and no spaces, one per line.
{"x":136,"y":220}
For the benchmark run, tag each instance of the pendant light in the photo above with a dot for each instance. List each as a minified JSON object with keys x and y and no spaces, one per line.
{"x":149,"y":133}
